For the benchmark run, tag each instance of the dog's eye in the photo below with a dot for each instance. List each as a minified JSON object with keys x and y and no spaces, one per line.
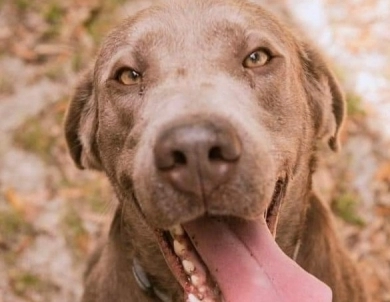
{"x":257,"y":58}
{"x":128,"y":76}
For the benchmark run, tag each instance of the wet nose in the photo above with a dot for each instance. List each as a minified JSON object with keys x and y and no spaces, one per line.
{"x":197,"y":157}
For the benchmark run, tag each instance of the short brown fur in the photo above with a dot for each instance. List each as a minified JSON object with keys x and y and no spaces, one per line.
{"x":279,"y":112}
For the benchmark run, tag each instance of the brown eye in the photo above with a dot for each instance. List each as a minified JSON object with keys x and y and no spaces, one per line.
{"x":257,"y":58}
{"x":128,"y":76}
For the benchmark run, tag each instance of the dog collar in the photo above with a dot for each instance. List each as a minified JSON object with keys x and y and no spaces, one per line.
{"x":144,"y":283}
{"x":297,"y":249}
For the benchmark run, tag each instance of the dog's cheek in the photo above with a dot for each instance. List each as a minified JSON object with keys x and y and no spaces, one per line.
{"x":144,"y":178}
{"x":114,"y":127}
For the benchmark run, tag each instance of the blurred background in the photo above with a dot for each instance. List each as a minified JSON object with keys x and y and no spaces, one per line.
{"x":51,"y":214}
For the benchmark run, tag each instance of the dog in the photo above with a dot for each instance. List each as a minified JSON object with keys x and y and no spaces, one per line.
{"x":205,"y":115}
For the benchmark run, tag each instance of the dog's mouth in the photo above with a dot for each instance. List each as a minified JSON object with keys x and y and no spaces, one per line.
{"x":231,"y":259}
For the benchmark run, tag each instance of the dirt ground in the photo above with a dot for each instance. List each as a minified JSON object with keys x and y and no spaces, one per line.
{"x":51,"y":214}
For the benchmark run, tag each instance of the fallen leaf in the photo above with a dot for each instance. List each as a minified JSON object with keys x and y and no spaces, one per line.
{"x":14,"y":200}
{"x":383,"y":173}
{"x":382,"y":210}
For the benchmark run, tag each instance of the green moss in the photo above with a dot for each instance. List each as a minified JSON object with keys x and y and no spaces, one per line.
{"x":75,"y":234}
{"x":10,"y":222}
{"x":55,"y":72}
{"x":23,"y":282}
{"x":99,"y":27}
{"x":9,"y":257}
{"x":53,"y":13}
{"x":41,"y":134}
{"x":102,"y":19}
{"x":33,"y":136}
{"x":118,"y":2}
{"x":94,"y":193}
{"x":52,"y":32}
{"x":12,"y":225}
{"x":345,"y":206}
{"x":96,"y":203}
{"x":79,"y":62}
{"x":73,"y":222}
{"x":13,"y":230}
{"x":23,"y":5}
{"x":354,"y":105}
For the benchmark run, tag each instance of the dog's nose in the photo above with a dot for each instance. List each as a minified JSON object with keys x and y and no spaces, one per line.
{"x":197,"y":157}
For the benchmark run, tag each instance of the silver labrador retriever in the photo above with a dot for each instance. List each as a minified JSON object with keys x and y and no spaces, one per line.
{"x":205,"y":116}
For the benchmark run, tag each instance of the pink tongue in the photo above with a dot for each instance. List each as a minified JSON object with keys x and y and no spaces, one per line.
{"x":249,"y":266}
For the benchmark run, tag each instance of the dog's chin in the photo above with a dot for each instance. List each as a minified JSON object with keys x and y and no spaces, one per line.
{"x":205,"y":273}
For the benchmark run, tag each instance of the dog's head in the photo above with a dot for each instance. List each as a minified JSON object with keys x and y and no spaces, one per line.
{"x":204,"y":108}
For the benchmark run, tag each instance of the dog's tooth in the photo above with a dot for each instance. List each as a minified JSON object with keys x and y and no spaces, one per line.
{"x":179,"y":248}
{"x":188,"y":266}
{"x":193,"y":298}
{"x":199,"y":280}
{"x":177,"y":230}
{"x":202,"y":289}
{"x":196,"y":280}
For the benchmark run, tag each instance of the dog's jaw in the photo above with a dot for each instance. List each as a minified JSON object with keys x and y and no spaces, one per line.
{"x":208,"y":255}
{"x":188,"y":267}
{"x":243,"y":263}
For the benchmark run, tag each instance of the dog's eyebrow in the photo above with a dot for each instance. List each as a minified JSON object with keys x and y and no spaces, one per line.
{"x":254,"y":39}
{"x":124,"y":51}
{"x":145,"y":32}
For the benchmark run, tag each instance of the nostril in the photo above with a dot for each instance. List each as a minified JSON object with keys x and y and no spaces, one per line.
{"x":225,"y":153}
{"x":179,"y":158}
{"x":215,"y":154}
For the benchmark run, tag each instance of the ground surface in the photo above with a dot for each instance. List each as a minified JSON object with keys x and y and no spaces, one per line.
{"x":51,"y":213}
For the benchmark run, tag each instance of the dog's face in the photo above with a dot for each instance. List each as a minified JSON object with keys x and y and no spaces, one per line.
{"x":203,"y":108}
{"x":175,"y":90}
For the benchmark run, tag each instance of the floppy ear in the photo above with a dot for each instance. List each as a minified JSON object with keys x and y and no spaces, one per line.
{"x":81,"y":124}
{"x":325,"y":96}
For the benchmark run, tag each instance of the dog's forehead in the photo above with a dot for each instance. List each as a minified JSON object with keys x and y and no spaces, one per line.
{"x":189,"y":17}
{"x":197,"y":24}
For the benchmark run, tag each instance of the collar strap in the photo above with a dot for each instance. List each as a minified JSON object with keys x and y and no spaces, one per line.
{"x":297,"y":249}
{"x":144,"y":283}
